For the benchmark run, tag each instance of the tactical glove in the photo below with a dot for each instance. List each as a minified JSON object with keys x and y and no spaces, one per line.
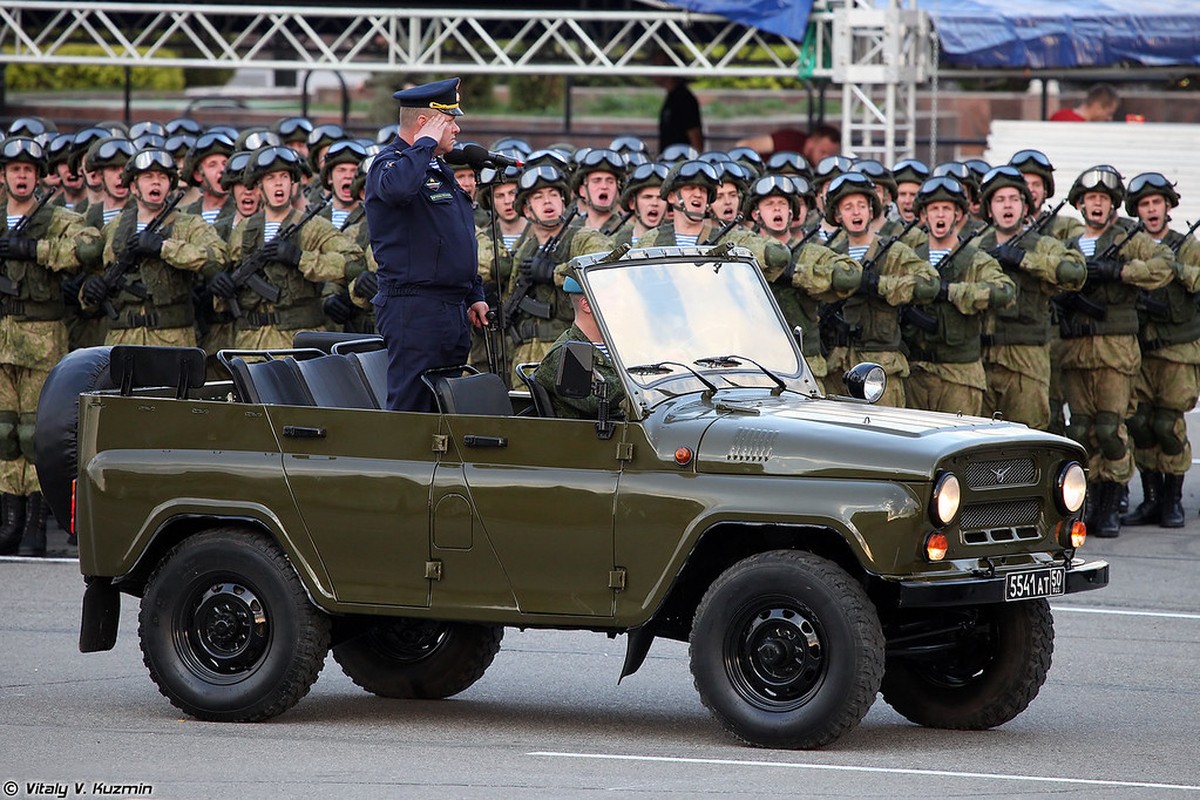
{"x":539,"y":269}
{"x":1103,"y":270}
{"x":282,"y":252}
{"x":366,"y":285}
{"x":146,"y":244}
{"x":1009,"y":255}
{"x":18,"y":248}
{"x":95,"y":290}
{"x":222,"y":285}
{"x":339,"y":308}
{"x":943,"y":291}
{"x":870,"y":282}
{"x":70,"y":289}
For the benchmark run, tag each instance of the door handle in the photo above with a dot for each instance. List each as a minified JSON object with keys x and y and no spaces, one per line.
{"x":303,"y":432}
{"x":471,"y":440}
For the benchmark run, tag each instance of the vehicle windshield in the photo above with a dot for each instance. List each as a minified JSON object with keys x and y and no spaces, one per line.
{"x":691,"y":325}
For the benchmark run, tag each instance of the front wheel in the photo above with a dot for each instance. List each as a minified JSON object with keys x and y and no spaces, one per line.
{"x":786,"y":650}
{"x":227,"y":630}
{"x":414,"y":658}
{"x":971,"y":668}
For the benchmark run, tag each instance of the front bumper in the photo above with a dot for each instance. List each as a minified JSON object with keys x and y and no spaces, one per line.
{"x":1081,"y":577}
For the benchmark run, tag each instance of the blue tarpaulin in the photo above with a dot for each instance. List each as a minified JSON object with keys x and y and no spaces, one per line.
{"x":1038,"y":34}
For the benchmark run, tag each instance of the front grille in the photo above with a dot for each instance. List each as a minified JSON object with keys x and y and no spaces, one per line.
{"x":1002,"y":473}
{"x":1005,"y":514}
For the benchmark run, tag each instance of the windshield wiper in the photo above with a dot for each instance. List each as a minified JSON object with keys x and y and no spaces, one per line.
{"x":661,"y":368}
{"x":721,"y":362}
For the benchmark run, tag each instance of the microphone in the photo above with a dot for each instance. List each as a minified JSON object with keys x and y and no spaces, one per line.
{"x":473,"y":155}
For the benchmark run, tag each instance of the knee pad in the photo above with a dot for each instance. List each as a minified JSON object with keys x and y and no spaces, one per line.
{"x":25,"y":428}
{"x":1164,"y":423}
{"x":10,"y":445}
{"x":1108,"y":426}
{"x":1139,"y":426}
{"x":1079,"y":428}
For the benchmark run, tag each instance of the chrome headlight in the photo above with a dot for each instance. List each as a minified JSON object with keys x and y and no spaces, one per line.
{"x":865,"y":381}
{"x":947,"y":495}
{"x":1070,"y":487}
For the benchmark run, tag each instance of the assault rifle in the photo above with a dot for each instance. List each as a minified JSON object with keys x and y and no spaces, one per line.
{"x":7,"y":285}
{"x":249,"y":272}
{"x":918,"y":317}
{"x":831,"y":322}
{"x":886,"y":245}
{"x":1075,"y":301}
{"x":808,"y":237}
{"x":1187,"y":235}
{"x":1040,"y":221}
{"x":720,"y":233}
{"x":541,"y":262}
{"x":615,"y":223}
{"x":115,"y":274}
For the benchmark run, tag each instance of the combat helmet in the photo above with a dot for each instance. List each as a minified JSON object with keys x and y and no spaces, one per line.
{"x":206,"y":144}
{"x":346,"y":151}
{"x":910,"y":170}
{"x":23,"y":148}
{"x":321,"y":137}
{"x":828,"y":168}
{"x":942,"y":187}
{"x":997,"y":178}
{"x":1147,"y":184}
{"x":845,"y":185}
{"x":677,"y":153}
{"x":108,"y":151}
{"x":748,"y":157}
{"x":58,"y":150}
{"x":293,"y":129}
{"x":789,"y":162}
{"x":774,"y":186}
{"x":598,"y":159}
{"x":644,"y":176}
{"x":691,"y":173}
{"x":1100,"y":178}
{"x":491,"y":177}
{"x":539,"y":177}
{"x":878,"y":173}
{"x":150,"y":160}
{"x":360,"y":176}
{"x":273,"y":159}
{"x":964,"y":174}
{"x":235,"y":169}
{"x":1035,"y":162}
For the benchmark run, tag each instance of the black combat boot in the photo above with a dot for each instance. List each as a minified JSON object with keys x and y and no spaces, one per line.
{"x":1147,"y":511}
{"x":33,"y":542}
{"x":1108,"y":518}
{"x":12,"y":522}
{"x":1171,"y":514}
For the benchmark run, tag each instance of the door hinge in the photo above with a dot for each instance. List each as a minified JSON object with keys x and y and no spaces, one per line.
{"x":624,"y":451}
{"x":433,"y":570}
{"x":616,"y":579}
{"x":441,"y":443}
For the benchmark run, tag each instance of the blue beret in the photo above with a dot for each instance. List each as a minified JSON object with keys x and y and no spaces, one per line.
{"x":439,"y":95}
{"x":571,"y":286}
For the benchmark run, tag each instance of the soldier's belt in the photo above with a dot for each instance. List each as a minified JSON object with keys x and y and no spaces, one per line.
{"x":258,"y":319}
{"x":178,"y":316}
{"x":447,"y":294}
{"x":12,"y":308}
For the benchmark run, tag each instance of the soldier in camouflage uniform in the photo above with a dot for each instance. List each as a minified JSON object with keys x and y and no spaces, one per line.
{"x":35,"y":252}
{"x":734,"y":179}
{"x":1099,"y":328}
{"x":153,"y":304}
{"x":814,"y":274}
{"x":596,"y":187}
{"x":202,"y":168}
{"x":1016,"y":351}
{"x":536,"y":310}
{"x":366,"y":284}
{"x":497,"y":239}
{"x":1169,"y":381}
{"x":908,"y":174}
{"x":642,"y":201}
{"x":107,"y":157}
{"x":298,"y":268}
{"x":943,"y":336}
{"x":867,"y":325}
{"x":338,"y":175}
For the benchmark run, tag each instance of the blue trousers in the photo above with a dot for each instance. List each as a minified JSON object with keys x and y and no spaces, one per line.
{"x":421,"y":333}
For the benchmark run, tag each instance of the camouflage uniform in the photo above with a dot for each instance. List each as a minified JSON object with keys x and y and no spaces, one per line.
{"x":328,"y":255}
{"x":571,"y":407}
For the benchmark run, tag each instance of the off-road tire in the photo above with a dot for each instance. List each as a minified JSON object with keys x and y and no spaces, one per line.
{"x":421,"y":659}
{"x":990,"y":677}
{"x":787,"y":650}
{"x":227,"y":630}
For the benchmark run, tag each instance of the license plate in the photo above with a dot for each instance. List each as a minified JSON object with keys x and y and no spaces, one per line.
{"x":1048,"y":582}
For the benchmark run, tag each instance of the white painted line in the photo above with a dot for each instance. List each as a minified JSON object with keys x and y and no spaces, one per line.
{"x":933,"y":773}
{"x":41,"y":559}
{"x":1121,"y":613}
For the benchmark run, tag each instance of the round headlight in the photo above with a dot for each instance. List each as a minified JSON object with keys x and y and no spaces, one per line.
{"x":947,"y":494}
{"x":865,"y":381}
{"x":1071,"y":487}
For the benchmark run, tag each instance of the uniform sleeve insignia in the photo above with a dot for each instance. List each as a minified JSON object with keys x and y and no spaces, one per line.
{"x":433,"y":184}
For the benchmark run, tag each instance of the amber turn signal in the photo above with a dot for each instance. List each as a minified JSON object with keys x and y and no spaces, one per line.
{"x":1078,"y":534}
{"x":683,"y":456}
{"x":936,"y":546}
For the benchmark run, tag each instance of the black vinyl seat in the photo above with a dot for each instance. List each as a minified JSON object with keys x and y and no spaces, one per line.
{"x":335,"y":381}
{"x":138,"y":366}
{"x":373,"y":364}
{"x":480,"y":393}
{"x":541,"y":398}
{"x":274,"y":382}
{"x":334,"y":341}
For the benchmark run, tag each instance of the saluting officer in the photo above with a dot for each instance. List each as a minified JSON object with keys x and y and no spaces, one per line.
{"x":423,"y":236}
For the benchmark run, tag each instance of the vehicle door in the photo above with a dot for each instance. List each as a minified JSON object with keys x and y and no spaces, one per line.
{"x":360,"y":480}
{"x":528,"y":501}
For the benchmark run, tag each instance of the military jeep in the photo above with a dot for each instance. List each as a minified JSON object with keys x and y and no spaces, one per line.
{"x":813,"y":550}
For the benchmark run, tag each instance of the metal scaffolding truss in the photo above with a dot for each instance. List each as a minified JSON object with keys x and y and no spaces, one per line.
{"x":878,"y":55}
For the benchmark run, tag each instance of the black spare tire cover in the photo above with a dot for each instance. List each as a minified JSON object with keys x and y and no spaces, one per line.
{"x":58,"y":420}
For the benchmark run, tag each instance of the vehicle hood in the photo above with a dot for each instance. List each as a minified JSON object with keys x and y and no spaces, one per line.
{"x":789,"y":435}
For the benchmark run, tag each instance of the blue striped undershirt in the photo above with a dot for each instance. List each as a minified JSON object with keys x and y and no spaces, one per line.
{"x":1087,"y":245}
{"x":110,"y":214}
{"x":685,"y":241}
{"x":210,"y":215}
{"x":857,"y":252}
{"x":338,"y":217}
{"x":270,"y":230}
{"x":936,"y":256}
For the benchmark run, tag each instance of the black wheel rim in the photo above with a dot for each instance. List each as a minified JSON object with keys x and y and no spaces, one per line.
{"x":223,"y":631}
{"x":408,"y":640}
{"x":775,"y":654}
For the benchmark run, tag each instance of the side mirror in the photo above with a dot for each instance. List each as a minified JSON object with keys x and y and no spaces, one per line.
{"x":574,"y":377}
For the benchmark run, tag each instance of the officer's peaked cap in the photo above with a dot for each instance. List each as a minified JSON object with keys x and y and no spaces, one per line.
{"x":439,"y":96}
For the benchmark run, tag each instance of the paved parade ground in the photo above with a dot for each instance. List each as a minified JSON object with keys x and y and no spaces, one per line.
{"x":1118,"y":718}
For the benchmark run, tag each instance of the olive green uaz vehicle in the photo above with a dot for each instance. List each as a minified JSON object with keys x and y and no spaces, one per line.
{"x":812,"y":550}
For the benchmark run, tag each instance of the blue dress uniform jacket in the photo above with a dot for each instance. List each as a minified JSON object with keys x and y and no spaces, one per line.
{"x":423,"y":236}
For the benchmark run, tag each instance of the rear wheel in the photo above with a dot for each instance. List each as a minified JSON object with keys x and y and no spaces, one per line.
{"x":227,"y":630}
{"x":786,"y":650}
{"x":413,"y":658}
{"x":972,"y":668}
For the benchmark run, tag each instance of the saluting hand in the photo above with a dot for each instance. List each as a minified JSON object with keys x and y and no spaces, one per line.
{"x":434,"y":127}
